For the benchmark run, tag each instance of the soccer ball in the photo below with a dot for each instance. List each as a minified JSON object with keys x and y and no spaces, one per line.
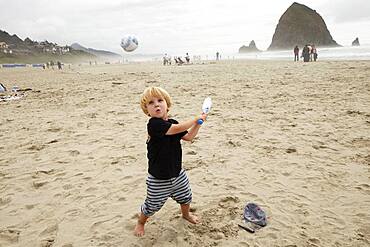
{"x":129,"y":43}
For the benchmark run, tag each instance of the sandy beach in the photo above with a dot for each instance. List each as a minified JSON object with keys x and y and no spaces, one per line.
{"x":291,"y":137}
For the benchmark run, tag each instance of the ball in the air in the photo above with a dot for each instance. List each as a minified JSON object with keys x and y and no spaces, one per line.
{"x":129,"y":43}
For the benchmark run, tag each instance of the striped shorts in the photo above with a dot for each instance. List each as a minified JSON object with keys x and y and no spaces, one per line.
{"x":159,"y":190}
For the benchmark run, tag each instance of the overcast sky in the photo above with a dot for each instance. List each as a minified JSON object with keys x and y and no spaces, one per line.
{"x":175,"y":27}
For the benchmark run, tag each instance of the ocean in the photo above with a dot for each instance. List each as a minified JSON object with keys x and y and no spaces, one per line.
{"x":338,"y":53}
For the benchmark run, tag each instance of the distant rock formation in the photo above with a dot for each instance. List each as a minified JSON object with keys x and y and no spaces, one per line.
{"x":14,"y":42}
{"x":356,"y":42}
{"x":251,"y":48}
{"x":34,"y":51}
{"x":26,"y":47}
{"x":99,"y":53}
{"x":300,"y":25}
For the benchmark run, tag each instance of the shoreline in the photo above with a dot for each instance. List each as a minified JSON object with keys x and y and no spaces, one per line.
{"x":345,"y":53}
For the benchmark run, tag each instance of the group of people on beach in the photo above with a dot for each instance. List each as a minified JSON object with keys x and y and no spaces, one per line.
{"x":51,"y":64}
{"x":309,"y":53}
{"x":167,"y":60}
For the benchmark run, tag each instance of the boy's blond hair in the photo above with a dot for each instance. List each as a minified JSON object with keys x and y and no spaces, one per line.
{"x":151,"y":92}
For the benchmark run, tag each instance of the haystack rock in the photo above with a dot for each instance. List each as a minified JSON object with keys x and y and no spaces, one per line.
{"x":356,"y":42}
{"x":300,"y":25}
{"x":251,"y":48}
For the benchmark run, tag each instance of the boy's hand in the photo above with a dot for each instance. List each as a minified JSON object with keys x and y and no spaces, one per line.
{"x":203,"y":116}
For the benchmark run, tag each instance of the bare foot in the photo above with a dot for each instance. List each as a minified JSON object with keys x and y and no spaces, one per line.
{"x":139,"y":230}
{"x":191,"y":218}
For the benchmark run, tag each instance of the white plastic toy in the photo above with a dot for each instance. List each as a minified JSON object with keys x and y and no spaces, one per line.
{"x":206,"y":108}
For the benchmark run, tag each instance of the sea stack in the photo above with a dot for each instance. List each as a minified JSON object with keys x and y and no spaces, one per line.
{"x":251,"y":48}
{"x":300,"y":25}
{"x":356,"y":42}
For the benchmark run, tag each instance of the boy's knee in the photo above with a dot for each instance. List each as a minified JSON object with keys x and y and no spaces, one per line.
{"x":184,"y":200}
{"x":149,"y":210}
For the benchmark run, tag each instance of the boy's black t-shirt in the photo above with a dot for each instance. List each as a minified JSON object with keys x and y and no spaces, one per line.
{"x":164,"y":151}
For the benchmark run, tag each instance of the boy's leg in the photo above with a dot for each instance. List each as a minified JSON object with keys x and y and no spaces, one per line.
{"x":183,"y":196}
{"x":185,"y":210}
{"x":157,"y":193}
{"x":139,"y":228}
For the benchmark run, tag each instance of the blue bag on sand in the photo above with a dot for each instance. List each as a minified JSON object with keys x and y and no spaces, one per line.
{"x":253,"y":213}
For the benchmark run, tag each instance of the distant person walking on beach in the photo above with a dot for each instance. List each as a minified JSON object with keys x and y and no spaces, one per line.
{"x":306,"y":53}
{"x":314,"y":52}
{"x":187,"y":58}
{"x":166,"y":177}
{"x":217,"y":55}
{"x":59,"y":65}
{"x":296,"y":53}
{"x":310,"y":52}
{"x":165,"y":59}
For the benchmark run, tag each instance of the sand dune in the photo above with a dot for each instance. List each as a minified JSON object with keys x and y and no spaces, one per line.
{"x":292,"y":137}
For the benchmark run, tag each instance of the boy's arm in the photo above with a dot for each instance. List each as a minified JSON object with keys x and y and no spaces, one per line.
{"x":194,"y":130}
{"x":192,"y":133}
{"x":181,"y":127}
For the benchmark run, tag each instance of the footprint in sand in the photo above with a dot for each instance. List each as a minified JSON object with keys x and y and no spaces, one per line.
{"x":73,"y":212}
{"x":49,"y":235}
{"x":54,"y":129}
{"x":47,"y":242}
{"x":38,"y":184}
{"x":314,"y":241}
{"x":67,"y":186}
{"x":74,"y":153}
{"x":91,"y":189}
{"x":245,"y":244}
{"x":9,"y":235}
{"x":4,"y":201}
{"x":95,"y":226}
{"x":363,"y":187}
{"x":219,"y":221}
{"x":36,"y":147}
{"x":43,"y":173}
{"x":30,"y":206}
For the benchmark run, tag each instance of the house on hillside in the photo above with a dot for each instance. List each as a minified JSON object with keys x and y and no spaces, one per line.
{"x":48,"y":47}
{"x":3,"y":45}
{"x":5,"y":48}
{"x":65,"y":49}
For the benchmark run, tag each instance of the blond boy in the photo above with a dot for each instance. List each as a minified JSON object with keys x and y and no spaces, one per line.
{"x":166,"y":177}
